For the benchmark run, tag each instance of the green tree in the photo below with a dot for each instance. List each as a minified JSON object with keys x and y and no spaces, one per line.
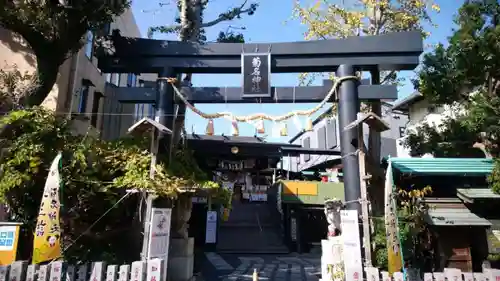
{"x":330,"y":19}
{"x":465,"y":75}
{"x":54,"y":31}
{"x":95,"y":173}
{"x":12,"y":85}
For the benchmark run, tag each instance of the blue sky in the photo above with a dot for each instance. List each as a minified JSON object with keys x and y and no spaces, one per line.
{"x":271,"y":23}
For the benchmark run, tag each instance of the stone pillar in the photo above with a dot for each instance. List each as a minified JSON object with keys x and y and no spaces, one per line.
{"x":181,"y":259}
{"x":347,"y":111}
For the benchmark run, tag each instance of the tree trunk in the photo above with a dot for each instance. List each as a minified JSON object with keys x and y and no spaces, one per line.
{"x":42,"y":82}
{"x":181,"y":213}
{"x":190,"y":15}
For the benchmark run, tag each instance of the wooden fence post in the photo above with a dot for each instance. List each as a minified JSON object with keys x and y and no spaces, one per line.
{"x":56,"y":271}
{"x":31,"y":272}
{"x":43,"y":272}
{"x":70,"y":273}
{"x":4,"y":272}
{"x":124,"y":273}
{"x":81,"y":273}
{"x":17,"y":271}
{"x":156,"y":270}
{"x":111,"y":272}
{"x":138,"y":270}
{"x":97,"y":272}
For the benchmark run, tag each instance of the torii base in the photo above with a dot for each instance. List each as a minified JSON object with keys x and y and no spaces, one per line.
{"x":181,"y":259}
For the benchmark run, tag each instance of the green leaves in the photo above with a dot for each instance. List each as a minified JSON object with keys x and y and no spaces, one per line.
{"x":451,"y":73}
{"x":54,"y":32}
{"x":466,"y":72}
{"x":95,"y":175}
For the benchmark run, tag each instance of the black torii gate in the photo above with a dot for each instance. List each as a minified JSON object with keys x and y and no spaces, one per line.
{"x":396,"y":51}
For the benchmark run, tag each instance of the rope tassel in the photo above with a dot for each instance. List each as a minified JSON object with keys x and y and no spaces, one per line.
{"x":210,"y":128}
{"x":309,"y":125}
{"x":234,"y":128}
{"x":284,"y":130}
{"x":260,"y":127}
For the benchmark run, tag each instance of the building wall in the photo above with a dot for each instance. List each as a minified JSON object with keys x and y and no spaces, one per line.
{"x":66,"y":96}
{"x":423,"y":112}
{"x":326,"y":135}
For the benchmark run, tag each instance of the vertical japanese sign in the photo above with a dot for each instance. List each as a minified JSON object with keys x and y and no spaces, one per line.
{"x":47,"y":240}
{"x":395,"y":260}
{"x":160,"y":235}
{"x":256,"y":72}
{"x":211,"y":229}
{"x":353,"y":265}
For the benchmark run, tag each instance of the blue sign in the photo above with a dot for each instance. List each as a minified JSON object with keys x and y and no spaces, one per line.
{"x":7,"y":238}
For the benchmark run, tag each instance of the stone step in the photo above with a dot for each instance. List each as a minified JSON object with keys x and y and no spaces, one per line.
{"x":251,"y":228}
{"x":248,"y":224}
{"x":277,"y":250}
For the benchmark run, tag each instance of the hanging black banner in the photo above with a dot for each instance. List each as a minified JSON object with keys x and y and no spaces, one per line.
{"x":256,"y":72}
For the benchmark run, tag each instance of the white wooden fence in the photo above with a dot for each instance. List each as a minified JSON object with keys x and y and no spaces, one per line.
{"x":449,"y":274}
{"x":153,"y":270}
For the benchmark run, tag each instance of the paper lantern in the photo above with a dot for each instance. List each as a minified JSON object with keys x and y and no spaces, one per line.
{"x":284,"y":130}
{"x":210,"y":128}
{"x":309,"y":125}
{"x":260,"y":127}
{"x":234,"y":128}
{"x":275,"y":133}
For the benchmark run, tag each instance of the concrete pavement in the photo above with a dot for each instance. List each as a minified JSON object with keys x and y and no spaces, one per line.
{"x":234,"y":267}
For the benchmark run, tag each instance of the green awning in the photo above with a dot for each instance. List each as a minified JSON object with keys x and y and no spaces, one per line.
{"x":469,"y":194}
{"x":444,"y":166}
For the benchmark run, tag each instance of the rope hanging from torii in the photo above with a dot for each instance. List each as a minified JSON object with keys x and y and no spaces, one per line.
{"x":258,"y":116}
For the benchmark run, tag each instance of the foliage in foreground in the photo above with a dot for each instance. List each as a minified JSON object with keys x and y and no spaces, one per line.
{"x":54,"y":30}
{"x":95,"y":175}
{"x":412,"y":229}
{"x":466,"y":76}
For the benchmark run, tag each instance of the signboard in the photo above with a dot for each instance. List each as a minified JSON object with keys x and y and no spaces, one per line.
{"x":154,"y":270}
{"x":159,"y":237}
{"x":256,"y":72}
{"x":256,"y":197}
{"x":8,"y":243}
{"x":293,"y":228}
{"x":353,"y":266}
{"x":211,"y":230}
{"x":159,"y":233}
{"x":494,"y":241}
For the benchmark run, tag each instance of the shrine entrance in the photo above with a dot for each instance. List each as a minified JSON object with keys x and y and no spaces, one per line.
{"x":347,"y":57}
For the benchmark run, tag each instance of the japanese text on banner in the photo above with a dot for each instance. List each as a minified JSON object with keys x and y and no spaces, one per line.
{"x":395,"y":260}
{"x":47,"y":238}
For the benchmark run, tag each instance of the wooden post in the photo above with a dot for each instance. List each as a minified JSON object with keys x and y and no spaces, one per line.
{"x":373,"y":121}
{"x":364,"y":198}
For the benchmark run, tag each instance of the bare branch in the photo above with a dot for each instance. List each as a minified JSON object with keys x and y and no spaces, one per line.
{"x":227,"y":16}
{"x":232,"y":14}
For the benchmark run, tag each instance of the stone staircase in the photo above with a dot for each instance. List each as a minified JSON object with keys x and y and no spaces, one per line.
{"x":251,"y":229}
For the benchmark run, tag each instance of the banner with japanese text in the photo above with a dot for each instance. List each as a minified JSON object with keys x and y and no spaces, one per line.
{"x":395,"y":260}
{"x":47,"y":238}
